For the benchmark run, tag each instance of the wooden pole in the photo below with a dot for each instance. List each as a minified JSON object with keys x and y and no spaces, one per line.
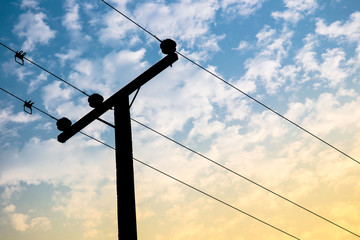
{"x":124,"y":171}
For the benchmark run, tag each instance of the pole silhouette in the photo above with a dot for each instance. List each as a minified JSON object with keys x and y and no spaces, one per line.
{"x":125,"y":189}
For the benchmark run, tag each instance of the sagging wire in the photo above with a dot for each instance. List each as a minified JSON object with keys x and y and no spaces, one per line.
{"x":170,"y":176}
{"x":237,"y":89}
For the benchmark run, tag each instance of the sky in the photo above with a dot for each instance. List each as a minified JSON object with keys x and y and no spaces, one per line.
{"x":300,"y":58}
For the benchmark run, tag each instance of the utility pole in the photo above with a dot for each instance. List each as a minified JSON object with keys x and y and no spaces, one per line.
{"x":123,"y":154}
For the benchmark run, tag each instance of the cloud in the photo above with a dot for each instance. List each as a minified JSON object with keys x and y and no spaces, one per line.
{"x":17,"y":220}
{"x":91,"y":198}
{"x":41,"y":223}
{"x":29,"y":4}
{"x":306,"y":56}
{"x":9,"y":209}
{"x":187,"y":22}
{"x":265,"y":65}
{"x":33,"y":28}
{"x":243,"y":45}
{"x":333,"y":67}
{"x":296,"y":9}
{"x":8,"y":117}
{"x":114,"y":27}
{"x":243,"y":7}
{"x":69,"y":55}
{"x":20,"y":73}
{"x":350,"y":30}
{"x":34,"y":84}
{"x":22,"y":222}
{"x":71,"y":20}
{"x":54,"y":93}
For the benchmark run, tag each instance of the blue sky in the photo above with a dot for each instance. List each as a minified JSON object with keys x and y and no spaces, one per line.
{"x":298,"y":57}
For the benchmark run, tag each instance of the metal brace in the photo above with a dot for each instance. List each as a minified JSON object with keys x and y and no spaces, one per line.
{"x":20,"y":55}
{"x":28,"y":107}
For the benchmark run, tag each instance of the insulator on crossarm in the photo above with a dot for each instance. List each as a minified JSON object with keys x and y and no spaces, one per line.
{"x":95,"y":100}
{"x":63,"y":124}
{"x":168,"y":46}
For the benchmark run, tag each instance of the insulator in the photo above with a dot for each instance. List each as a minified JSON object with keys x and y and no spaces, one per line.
{"x":168,"y":46}
{"x":95,"y":100}
{"x":63,"y":124}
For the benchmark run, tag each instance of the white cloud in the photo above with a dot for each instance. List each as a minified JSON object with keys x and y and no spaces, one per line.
{"x":29,"y":4}
{"x":306,"y":56}
{"x":53,"y":93}
{"x":9,"y":192}
{"x":40,"y":223}
{"x":115,"y":28}
{"x":266,"y":64}
{"x":301,"y":5}
{"x":242,"y":7}
{"x":22,"y":222}
{"x":184,"y":21}
{"x":69,"y":55}
{"x":350,"y":29}
{"x":10,"y":69}
{"x":90,"y":199}
{"x":7,"y":116}
{"x":296,"y":9}
{"x":265,"y":35}
{"x":187,"y":22}
{"x":243,"y":45}
{"x":9,"y":209}
{"x":71,"y":20}
{"x":34,"y":84}
{"x":33,"y":28}
{"x":331,"y":69}
{"x":113,"y":71}
{"x":19,"y":222}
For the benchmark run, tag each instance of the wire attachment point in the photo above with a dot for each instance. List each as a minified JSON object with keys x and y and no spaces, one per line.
{"x":28,"y":107}
{"x":63,"y":124}
{"x":168,"y":46}
{"x":20,"y":56}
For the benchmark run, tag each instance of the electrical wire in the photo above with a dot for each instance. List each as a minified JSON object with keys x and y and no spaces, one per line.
{"x":44,"y":69}
{"x":144,"y":29}
{"x":32,"y":62}
{"x":203,"y":156}
{"x":245,"y":178}
{"x":215,"y":75}
{"x":239,"y":90}
{"x":216,"y":199}
{"x":49,"y":115}
{"x":168,"y":175}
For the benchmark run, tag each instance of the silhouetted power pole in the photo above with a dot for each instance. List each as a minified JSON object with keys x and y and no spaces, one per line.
{"x":124,"y":155}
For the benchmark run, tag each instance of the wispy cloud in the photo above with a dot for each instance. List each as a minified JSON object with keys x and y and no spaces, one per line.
{"x":350,"y":29}
{"x":296,"y":10}
{"x":243,"y":7}
{"x":33,"y":28}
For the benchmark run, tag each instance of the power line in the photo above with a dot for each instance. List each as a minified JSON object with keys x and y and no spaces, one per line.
{"x":239,"y":90}
{"x":216,"y":199}
{"x":245,"y":178}
{"x":44,"y":69}
{"x":168,"y":175}
{"x":144,"y":29}
{"x":32,"y":106}
{"x":49,"y":115}
{"x":183,"y":145}
{"x":32,"y":62}
{"x":203,"y":156}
